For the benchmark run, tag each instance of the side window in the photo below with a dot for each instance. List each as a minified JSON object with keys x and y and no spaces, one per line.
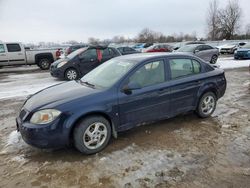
{"x":126,"y":49}
{"x":2,"y":50}
{"x":206,"y":47}
{"x":183,"y":67}
{"x":106,"y":52}
{"x":149,"y":74}
{"x":13,"y":47}
{"x":89,"y":54}
{"x":200,"y":48}
{"x":111,"y":52}
{"x":196,"y":67}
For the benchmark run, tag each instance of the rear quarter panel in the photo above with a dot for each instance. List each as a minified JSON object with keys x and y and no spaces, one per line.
{"x":213,"y":81}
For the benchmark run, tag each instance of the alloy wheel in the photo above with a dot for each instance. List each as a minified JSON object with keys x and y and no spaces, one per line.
{"x":95,"y":135}
{"x":208,"y":105}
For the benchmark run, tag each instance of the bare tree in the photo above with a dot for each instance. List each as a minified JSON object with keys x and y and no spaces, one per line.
{"x":213,"y":20}
{"x":229,"y":19}
{"x":248,"y":29}
{"x":146,"y":35}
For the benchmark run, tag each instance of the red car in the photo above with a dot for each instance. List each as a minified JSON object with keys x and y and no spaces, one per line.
{"x":159,"y":48}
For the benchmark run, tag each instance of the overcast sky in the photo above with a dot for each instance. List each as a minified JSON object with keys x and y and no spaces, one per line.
{"x":63,"y":20}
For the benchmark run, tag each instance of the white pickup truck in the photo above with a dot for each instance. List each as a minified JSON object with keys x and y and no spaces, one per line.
{"x":15,"y":54}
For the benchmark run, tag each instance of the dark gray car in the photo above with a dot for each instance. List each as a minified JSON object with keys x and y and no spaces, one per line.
{"x":203,"y":51}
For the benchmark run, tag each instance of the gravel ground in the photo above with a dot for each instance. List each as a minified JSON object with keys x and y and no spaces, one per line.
{"x":185,"y":151}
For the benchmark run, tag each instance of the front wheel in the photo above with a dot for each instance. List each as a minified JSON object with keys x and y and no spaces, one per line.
{"x":214,"y":59}
{"x":71,"y":74}
{"x":207,"y":105}
{"x":92,"y":134}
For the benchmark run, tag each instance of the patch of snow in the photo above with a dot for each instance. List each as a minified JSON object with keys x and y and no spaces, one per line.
{"x":22,"y":85}
{"x":14,"y":143}
{"x":230,"y":63}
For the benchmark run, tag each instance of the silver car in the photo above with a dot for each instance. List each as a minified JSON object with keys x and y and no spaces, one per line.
{"x":203,"y":51}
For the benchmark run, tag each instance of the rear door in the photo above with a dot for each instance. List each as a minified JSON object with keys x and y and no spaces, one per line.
{"x":88,"y":61}
{"x":185,"y":84}
{"x":3,"y":55}
{"x":16,"y":54}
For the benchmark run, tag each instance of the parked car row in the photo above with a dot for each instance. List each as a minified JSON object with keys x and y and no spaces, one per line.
{"x":83,"y":60}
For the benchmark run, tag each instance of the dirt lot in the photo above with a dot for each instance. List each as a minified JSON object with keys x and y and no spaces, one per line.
{"x":181,"y":152}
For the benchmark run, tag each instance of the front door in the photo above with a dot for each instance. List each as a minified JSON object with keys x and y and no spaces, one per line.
{"x":15,"y":54}
{"x":150,"y":101}
{"x":3,"y":56}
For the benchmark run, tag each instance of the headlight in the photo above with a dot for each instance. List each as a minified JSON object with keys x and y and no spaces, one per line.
{"x":44,"y":116}
{"x":235,"y":52}
{"x":61,"y":64}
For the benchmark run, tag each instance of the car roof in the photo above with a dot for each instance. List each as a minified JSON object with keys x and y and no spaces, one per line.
{"x":98,"y":47}
{"x":148,"y":56}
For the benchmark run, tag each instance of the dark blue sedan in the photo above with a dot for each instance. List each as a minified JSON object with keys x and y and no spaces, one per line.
{"x":118,"y":95}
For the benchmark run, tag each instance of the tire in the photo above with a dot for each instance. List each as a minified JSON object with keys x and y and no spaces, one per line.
{"x":92,"y":134}
{"x":214,"y":59}
{"x":44,"y":64}
{"x":71,"y":74}
{"x":206,"y":105}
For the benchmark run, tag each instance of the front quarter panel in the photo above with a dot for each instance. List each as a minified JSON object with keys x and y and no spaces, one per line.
{"x":105,"y":104}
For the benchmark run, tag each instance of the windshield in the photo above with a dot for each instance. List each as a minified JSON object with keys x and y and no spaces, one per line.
{"x":108,"y":73}
{"x":75,"y":53}
{"x":246,"y":46}
{"x":187,"y":48}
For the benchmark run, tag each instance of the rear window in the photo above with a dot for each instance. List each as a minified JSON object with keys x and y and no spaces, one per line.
{"x":13,"y":47}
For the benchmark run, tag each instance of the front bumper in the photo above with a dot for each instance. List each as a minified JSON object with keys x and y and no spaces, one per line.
{"x":52,"y":135}
{"x":227,"y":51}
{"x":58,"y":73}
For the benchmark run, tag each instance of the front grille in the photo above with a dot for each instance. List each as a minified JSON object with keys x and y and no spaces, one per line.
{"x":23,"y":114}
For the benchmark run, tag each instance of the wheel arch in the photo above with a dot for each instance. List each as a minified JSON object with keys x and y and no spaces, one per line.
{"x":40,"y":56}
{"x":93,"y":113}
{"x":207,"y":88}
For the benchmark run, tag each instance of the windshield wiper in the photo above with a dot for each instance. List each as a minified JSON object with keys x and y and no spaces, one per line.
{"x":87,"y":83}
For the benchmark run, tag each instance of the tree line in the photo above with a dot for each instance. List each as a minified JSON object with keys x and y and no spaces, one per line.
{"x":221,"y":24}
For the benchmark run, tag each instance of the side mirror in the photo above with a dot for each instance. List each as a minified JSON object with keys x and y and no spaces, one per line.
{"x":196,"y":51}
{"x":127,"y":89}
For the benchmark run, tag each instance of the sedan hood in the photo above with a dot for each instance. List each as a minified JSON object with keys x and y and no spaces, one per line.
{"x":59,"y":61}
{"x":243,"y":50}
{"x":58,"y":94}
